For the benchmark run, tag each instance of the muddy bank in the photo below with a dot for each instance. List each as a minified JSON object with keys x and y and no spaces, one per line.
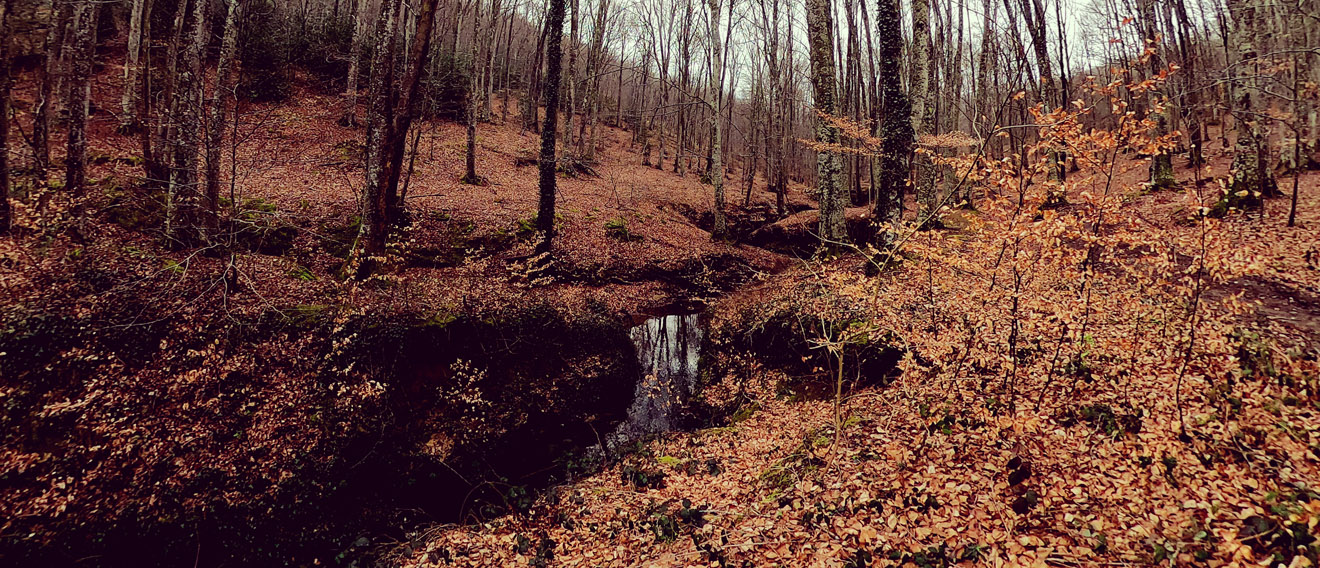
{"x":403,"y":421}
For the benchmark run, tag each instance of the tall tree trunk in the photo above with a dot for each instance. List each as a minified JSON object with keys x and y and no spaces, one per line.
{"x":721,"y":230}
{"x":595,"y":65}
{"x":374,"y":232}
{"x":684,"y":86}
{"x":1251,"y":177}
{"x":183,"y":224}
{"x":545,"y":215}
{"x":407,"y":103}
{"x":1161,"y":164}
{"x":488,"y":75}
{"x":531,"y":106}
{"x":6,"y":7}
{"x":571,"y":79}
{"x":1034,"y":14}
{"x":84,"y":43}
{"x":360,"y":20}
{"x":128,"y":118}
{"x":921,"y":97}
{"x":474,"y":100}
{"x":224,"y":89}
{"x":159,"y":169}
{"x":47,"y":76}
{"x":829,"y":166}
{"x":1192,"y":100}
{"x":896,"y":131}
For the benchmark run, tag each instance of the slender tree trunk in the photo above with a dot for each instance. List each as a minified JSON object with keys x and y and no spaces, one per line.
{"x":375,"y":218}
{"x":160,"y":169}
{"x":488,"y":75}
{"x":595,"y":64}
{"x":920,"y":96}
{"x":896,"y":130}
{"x":829,"y":166}
{"x":1034,"y":14}
{"x":6,"y":220}
{"x":1251,"y":178}
{"x":532,"y":103}
{"x":224,"y":89}
{"x":721,"y":230}
{"x":1161,"y":164}
{"x":183,"y":225}
{"x":407,"y":102}
{"x":508,"y":43}
{"x":84,"y":42}
{"x":545,"y":216}
{"x":128,"y":119}
{"x":571,"y":80}
{"x":1192,"y":100}
{"x":46,"y":78}
{"x":360,"y":20}
{"x":474,"y":101}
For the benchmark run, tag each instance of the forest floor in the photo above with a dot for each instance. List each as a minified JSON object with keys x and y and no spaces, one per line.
{"x":936,"y":470}
{"x":941,"y":465}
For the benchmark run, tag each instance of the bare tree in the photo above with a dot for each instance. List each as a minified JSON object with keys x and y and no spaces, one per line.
{"x":829,"y":166}
{"x":896,"y":131}
{"x":5,"y":81}
{"x":721,"y":229}
{"x":47,"y":74}
{"x":375,"y":221}
{"x":474,"y":98}
{"x":387,"y":129}
{"x":84,"y":47}
{"x":138,"y":23}
{"x":1161,"y":164}
{"x":545,"y":215}
{"x":919,"y":93}
{"x":1251,"y":176}
{"x":215,"y":125}
{"x":360,"y":19}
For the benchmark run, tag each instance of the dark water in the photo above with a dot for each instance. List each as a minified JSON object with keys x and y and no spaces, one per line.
{"x":668,"y":348}
{"x":389,"y":496}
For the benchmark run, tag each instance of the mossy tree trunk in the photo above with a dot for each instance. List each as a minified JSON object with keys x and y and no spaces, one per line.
{"x":829,"y":165}
{"x":545,"y":216}
{"x":896,"y":130}
{"x":721,"y":230}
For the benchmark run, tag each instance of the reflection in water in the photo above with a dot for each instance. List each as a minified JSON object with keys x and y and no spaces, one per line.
{"x":667,"y":348}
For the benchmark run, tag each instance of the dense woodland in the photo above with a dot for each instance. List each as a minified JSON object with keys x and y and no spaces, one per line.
{"x":659,"y":282}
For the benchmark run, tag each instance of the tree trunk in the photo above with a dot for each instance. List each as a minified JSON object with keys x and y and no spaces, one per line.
{"x":407,"y":102}
{"x":1192,"y":100}
{"x":571,"y":79}
{"x":47,"y":75}
{"x":224,"y":89}
{"x":1034,"y":14}
{"x":474,"y":101}
{"x":84,"y":43}
{"x":128,"y":119}
{"x":545,"y":216}
{"x":183,"y":207}
{"x":1251,"y":178}
{"x":829,"y":166}
{"x":374,"y":231}
{"x":1161,"y":164}
{"x":488,"y":75}
{"x":921,"y":97}
{"x":355,"y":62}
{"x":896,"y":131}
{"x":721,"y":230}
{"x":5,"y":80}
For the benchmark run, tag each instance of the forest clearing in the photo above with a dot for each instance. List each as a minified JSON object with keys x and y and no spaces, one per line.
{"x":659,"y":283}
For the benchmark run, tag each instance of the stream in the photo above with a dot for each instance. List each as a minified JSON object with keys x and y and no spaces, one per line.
{"x":668,"y":348}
